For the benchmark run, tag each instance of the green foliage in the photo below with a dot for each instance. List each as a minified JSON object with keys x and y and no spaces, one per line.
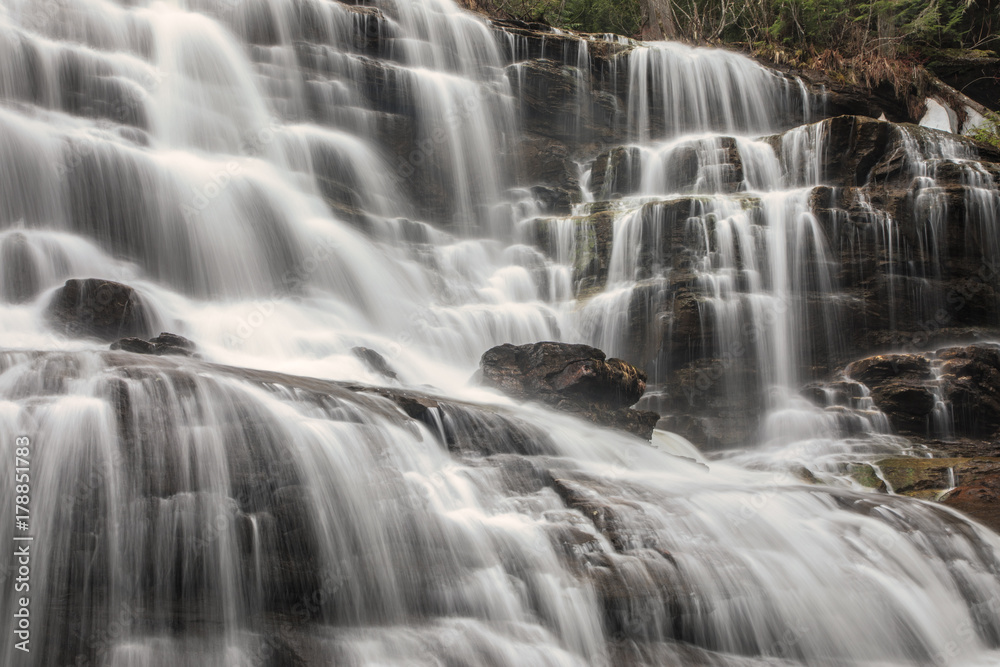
{"x":887,"y":29}
{"x":989,"y":133}
{"x":603,"y":16}
{"x":926,"y":21}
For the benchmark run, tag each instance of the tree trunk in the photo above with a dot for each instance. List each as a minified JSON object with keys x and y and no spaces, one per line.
{"x":657,"y":20}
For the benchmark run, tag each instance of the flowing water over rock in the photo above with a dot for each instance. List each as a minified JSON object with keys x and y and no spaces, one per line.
{"x":285,"y":182}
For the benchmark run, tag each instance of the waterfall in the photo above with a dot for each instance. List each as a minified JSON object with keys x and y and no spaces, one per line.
{"x":283,"y":181}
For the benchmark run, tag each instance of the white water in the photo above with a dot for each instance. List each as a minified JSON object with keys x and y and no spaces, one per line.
{"x":241,"y":180}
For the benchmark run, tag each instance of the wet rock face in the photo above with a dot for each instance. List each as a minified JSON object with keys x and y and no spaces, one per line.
{"x":900,"y":386}
{"x":971,"y":377}
{"x":617,"y":172}
{"x":99,"y":309}
{"x":979,"y":495}
{"x":854,"y":146}
{"x":549,"y":91}
{"x":909,"y":406}
{"x":551,"y":173}
{"x":904,"y":387}
{"x":574,"y":378}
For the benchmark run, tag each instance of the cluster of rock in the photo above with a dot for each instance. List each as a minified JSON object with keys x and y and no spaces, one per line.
{"x":573,"y":378}
{"x":112,"y":312}
{"x":900,"y":280}
{"x":165,"y":343}
{"x":271,"y":512}
{"x":906,"y":293}
{"x":908,"y":387}
{"x":947,"y":402}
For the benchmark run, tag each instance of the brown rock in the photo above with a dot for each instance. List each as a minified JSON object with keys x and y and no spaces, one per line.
{"x":971,"y":383}
{"x":573,"y":378}
{"x":618,"y":172}
{"x":878,"y":369}
{"x":978,"y":483}
{"x":556,"y":372}
{"x":979,"y":499}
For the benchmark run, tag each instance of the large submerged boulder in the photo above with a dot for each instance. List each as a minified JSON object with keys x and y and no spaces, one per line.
{"x":575,"y":378}
{"x":100,"y":309}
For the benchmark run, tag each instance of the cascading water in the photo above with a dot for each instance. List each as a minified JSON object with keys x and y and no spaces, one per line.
{"x":286,"y":180}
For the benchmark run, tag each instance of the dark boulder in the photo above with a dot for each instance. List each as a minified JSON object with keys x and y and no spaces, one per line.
{"x":165,"y":343}
{"x":555,"y":372}
{"x":136,"y":345}
{"x":168,"y":343}
{"x":574,"y":378}
{"x":374,"y":361}
{"x":99,"y":309}
{"x":908,"y":406}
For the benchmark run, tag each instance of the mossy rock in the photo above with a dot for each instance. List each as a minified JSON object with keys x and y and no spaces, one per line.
{"x":977,"y":483}
{"x":910,"y":476}
{"x":866,"y":475}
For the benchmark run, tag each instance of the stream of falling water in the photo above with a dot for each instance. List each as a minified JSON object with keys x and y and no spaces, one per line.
{"x":232,"y":160}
